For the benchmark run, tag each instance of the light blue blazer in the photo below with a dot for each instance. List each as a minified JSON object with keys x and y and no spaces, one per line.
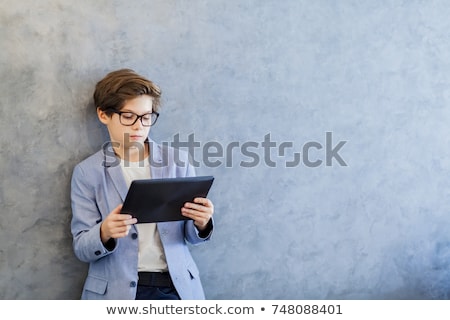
{"x":97,"y":187}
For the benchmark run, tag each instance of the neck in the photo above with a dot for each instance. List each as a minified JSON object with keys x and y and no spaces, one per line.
{"x":135,"y":153}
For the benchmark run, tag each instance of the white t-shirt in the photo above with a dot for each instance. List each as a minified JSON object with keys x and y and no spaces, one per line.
{"x":151,"y":252}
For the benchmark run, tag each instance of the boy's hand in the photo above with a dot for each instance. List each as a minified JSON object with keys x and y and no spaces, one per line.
{"x":201,"y":211}
{"x":116,"y":225}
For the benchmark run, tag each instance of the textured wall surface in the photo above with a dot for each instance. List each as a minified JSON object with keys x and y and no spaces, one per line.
{"x":374,"y":74}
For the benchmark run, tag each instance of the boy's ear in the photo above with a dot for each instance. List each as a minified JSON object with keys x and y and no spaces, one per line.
{"x":102,"y":116}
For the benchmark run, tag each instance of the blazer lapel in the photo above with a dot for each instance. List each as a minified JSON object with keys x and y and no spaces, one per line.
{"x":156,"y":160}
{"x":118,"y":180}
{"x":113,"y":169}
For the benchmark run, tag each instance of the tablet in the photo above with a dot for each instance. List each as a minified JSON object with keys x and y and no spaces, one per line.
{"x":158,"y":200}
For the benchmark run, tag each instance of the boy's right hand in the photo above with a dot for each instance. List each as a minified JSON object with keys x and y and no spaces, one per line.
{"x":116,"y":225}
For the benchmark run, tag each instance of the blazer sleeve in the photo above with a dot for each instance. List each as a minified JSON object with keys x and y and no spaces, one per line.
{"x":86,"y":219}
{"x":192,"y":234}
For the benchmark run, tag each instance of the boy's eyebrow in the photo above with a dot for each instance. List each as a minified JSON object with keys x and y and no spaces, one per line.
{"x":126,"y":110}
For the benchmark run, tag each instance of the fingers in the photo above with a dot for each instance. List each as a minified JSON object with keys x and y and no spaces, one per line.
{"x":116,"y":216}
{"x":201,"y":211}
{"x":119,"y":231}
{"x":116,"y":225}
{"x":204,"y":201}
{"x":200,"y":204}
{"x":204,"y":208}
{"x":117,"y":209}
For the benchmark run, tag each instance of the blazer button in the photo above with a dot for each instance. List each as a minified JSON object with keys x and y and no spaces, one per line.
{"x":134,"y":236}
{"x":98,"y":252}
{"x":133,"y":284}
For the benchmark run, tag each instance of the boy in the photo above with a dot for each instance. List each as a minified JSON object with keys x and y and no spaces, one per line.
{"x":128,"y":260}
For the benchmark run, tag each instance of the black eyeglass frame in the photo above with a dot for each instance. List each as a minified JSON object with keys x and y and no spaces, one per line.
{"x":138,"y":117}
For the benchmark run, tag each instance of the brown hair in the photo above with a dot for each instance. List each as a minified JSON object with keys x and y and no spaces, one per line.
{"x":113,"y":91}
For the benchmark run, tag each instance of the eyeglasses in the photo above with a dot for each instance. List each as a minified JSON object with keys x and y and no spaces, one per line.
{"x":129,"y":118}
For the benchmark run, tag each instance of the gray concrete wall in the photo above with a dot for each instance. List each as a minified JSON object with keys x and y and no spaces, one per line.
{"x":375,"y":74}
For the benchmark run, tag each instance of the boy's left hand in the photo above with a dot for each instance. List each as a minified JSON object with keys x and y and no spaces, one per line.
{"x":201,"y":211}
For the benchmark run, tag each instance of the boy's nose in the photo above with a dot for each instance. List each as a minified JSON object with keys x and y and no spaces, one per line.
{"x":138,"y":124}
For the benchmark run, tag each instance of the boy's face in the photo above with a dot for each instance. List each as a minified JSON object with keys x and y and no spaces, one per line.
{"x":128,"y":136}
